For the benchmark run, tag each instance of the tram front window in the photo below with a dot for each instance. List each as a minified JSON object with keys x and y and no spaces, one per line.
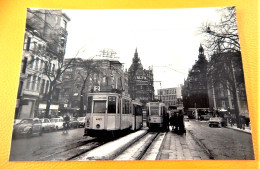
{"x":154,"y":110}
{"x":99,"y":107}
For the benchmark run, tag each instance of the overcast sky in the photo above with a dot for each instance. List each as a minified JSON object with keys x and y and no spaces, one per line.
{"x":167,"y":39}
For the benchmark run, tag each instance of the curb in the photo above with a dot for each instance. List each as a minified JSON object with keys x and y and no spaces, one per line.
{"x":111,"y":150}
{"x":205,"y":149}
{"x":240,"y":130}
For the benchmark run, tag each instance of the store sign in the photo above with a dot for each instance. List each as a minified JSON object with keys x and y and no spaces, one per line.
{"x":96,"y":88}
{"x":138,"y":77}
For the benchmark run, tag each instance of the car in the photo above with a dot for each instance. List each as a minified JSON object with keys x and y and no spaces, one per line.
{"x":217,"y":121}
{"x":81,"y":121}
{"x":16,"y":121}
{"x":74,"y":123}
{"x":47,"y":125}
{"x":28,"y":127}
{"x":58,"y":122}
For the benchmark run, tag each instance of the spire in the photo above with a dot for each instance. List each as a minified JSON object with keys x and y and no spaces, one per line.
{"x":201,"y":50}
{"x":136,"y":54}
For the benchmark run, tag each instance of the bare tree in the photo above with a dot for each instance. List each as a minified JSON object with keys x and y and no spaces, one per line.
{"x":53,"y":68}
{"x":222,"y":36}
{"x":87,"y":70}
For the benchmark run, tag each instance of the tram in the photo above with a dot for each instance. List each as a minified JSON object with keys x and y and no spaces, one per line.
{"x":111,"y":113}
{"x":157,"y":116}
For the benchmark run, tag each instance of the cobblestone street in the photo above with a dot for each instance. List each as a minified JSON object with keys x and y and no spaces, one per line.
{"x":181,"y":147}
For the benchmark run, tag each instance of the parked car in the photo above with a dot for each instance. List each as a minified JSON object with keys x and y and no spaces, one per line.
{"x":81,"y":121}
{"x":28,"y":127}
{"x":16,"y":121}
{"x":58,"y":122}
{"x":217,"y":121}
{"x":47,"y":125}
{"x":74,"y":123}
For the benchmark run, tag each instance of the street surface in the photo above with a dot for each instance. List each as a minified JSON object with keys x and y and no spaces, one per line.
{"x":38,"y":147}
{"x":200,"y":142}
{"x":222,"y":143}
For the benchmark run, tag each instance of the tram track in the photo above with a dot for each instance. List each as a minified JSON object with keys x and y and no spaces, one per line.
{"x":139,"y":149}
{"x":74,"y":150}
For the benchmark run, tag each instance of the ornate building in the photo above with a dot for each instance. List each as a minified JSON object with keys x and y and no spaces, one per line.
{"x":140,"y":81}
{"x":43,"y":50}
{"x":195,"y":91}
{"x":82,"y":79}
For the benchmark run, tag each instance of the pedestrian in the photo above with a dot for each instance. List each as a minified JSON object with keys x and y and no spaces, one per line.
{"x":66,"y":123}
{"x":232,"y":121}
{"x":181,"y":127}
{"x":243,"y":122}
{"x":166,"y":121}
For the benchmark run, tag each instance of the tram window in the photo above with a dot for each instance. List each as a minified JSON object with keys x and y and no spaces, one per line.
{"x":123,"y":106}
{"x":154,"y":110}
{"x":99,"y":107}
{"x":127,"y":107}
{"x":119,"y":106}
{"x":138,"y":110}
{"x":147,"y":109}
{"x":89,"y":106}
{"x":111,"y":104}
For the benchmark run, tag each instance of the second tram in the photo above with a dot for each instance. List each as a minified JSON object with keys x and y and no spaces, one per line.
{"x":157,"y":116}
{"x":111,"y":113}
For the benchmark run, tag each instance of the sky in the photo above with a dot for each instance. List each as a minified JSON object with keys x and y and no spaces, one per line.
{"x":167,"y":40}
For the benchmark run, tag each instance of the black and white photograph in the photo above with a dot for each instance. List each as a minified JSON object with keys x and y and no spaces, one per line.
{"x":131,"y":84}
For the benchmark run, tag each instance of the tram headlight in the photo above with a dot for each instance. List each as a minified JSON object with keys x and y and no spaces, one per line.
{"x":98,"y":126}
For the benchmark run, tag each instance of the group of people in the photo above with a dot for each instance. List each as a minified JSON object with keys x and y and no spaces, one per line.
{"x":175,"y":119}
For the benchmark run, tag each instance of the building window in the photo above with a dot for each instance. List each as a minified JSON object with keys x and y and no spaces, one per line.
{"x":32,"y":62}
{"x":40,"y":47}
{"x":28,"y":44}
{"x":47,"y":86}
{"x":28,"y":82}
{"x":42,"y":86}
{"x":53,"y":68}
{"x":24,"y":64}
{"x":37,"y":64}
{"x":40,"y":64}
{"x":38,"y":83}
{"x":35,"y":46}
{"x":50,"y":67}
{"x":34,"y":83}
{"x":64,"y":24}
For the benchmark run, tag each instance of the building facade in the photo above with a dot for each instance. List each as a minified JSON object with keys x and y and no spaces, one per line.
{"x":195,"y":90}
{"x":171,"y":96}
{"x":39,"y":60}
{"x":226,"y":84}
{"x":140,"y":81}
{"x":108,"y":77}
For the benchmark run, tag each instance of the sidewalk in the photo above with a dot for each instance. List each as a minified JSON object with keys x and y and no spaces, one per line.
{"x":234,"y":127}
{"x":181,"y":147}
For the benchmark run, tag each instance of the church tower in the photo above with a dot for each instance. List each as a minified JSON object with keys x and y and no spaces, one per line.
{"x":201,"y":52}
{"x":140,"y":81}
